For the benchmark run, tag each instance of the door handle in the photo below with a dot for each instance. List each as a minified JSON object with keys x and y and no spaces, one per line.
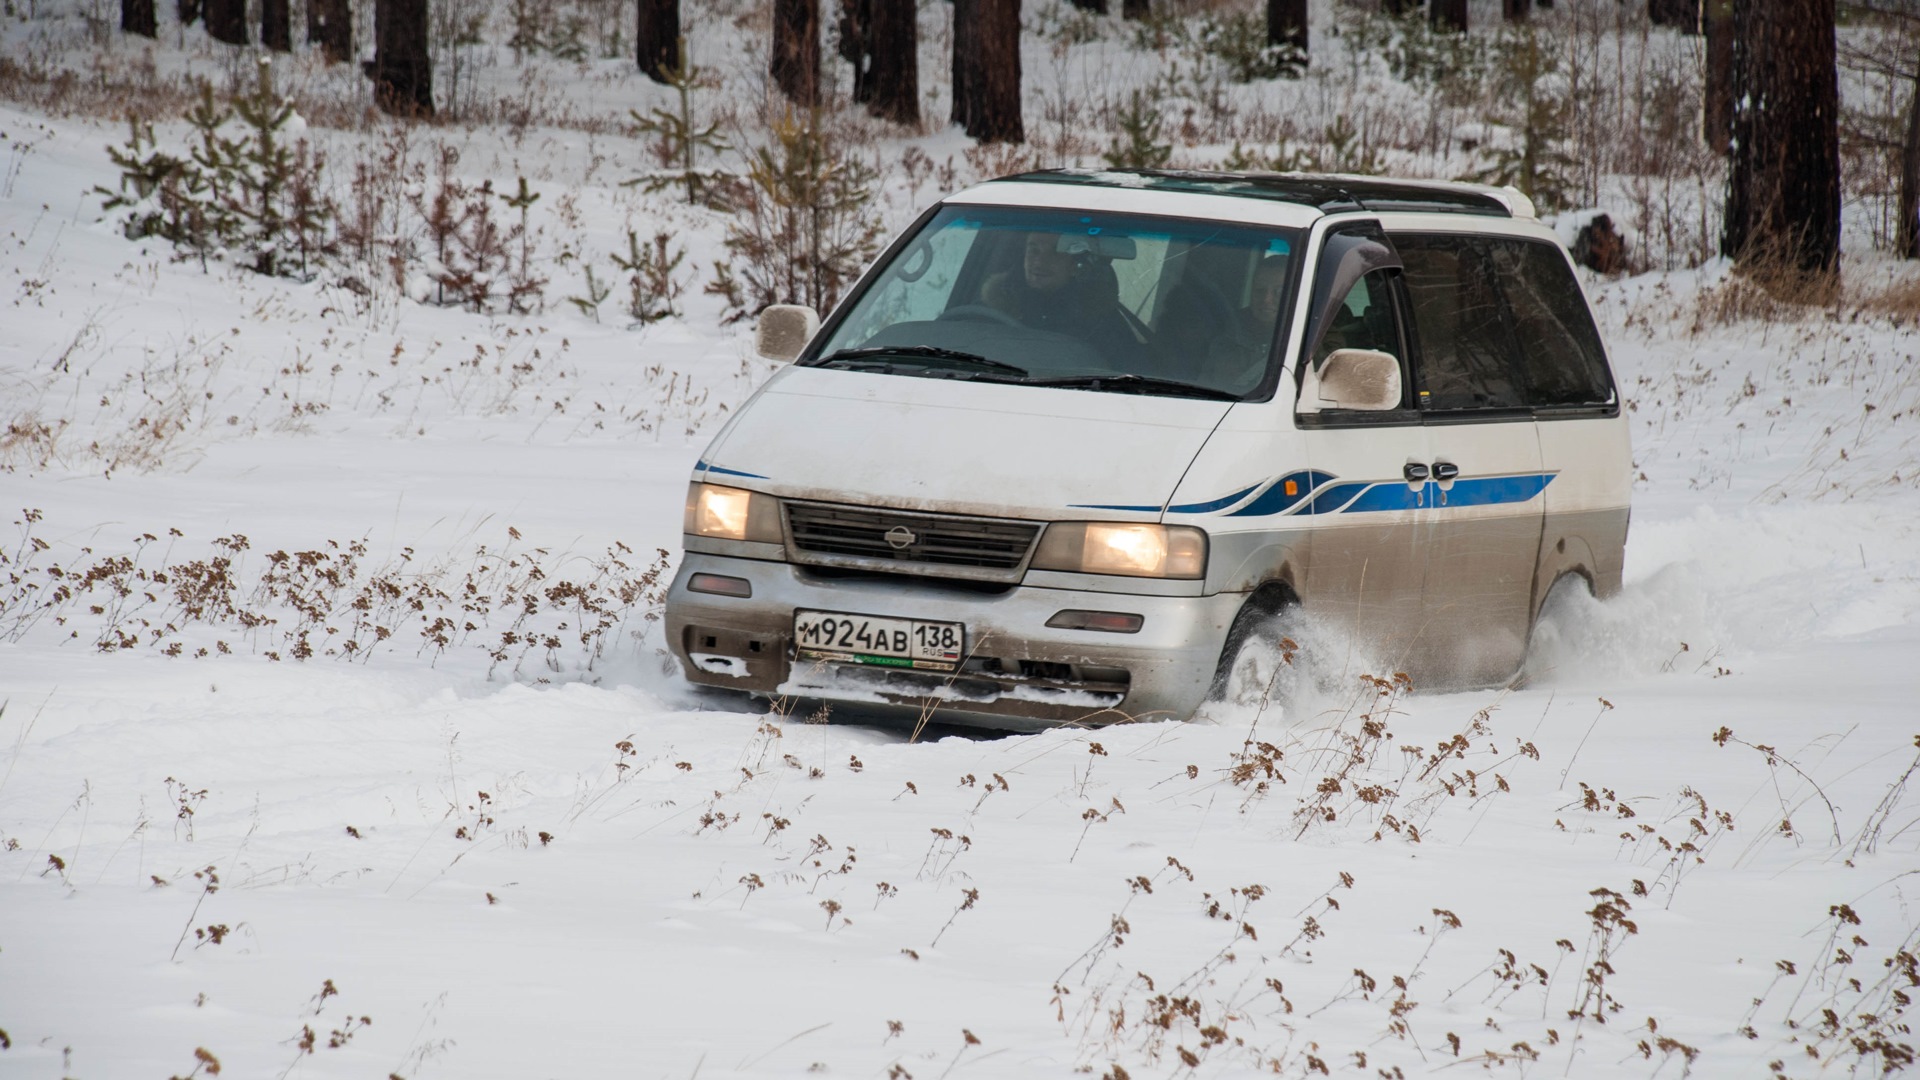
{"x":1444,"y":471}
{"x":1416,"y":472}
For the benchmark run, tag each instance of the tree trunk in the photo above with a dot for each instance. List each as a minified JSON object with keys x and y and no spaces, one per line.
{"x":1398,"y":8}
{"x":987,"y":73}
{"x":1449,"y":15}
{"x":966,"y":61}
{"x":226,"y":20}
{"x":1136,"y":9}
{"x":276,"y":25}
{"x":402,"y":66}
{"x":330,"y":26}
{"x":136,"y":17}
{"x":1287,"y":24}
{"x":894,"y":37}
{"x":1716,"y":119}
{"x":657,"y":38}
{"x":1783,"y":197}
{"x":855,"y":30}
{"x":1515,"y":10}
{"x":1098,"y":7}
{"x":1683,"y":15}
{"x":795,"y":65}
{"x":1908,"y":240}
{"x":187,"y":10}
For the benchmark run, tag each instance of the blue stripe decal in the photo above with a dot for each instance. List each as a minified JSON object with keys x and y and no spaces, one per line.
{"x":1316,"y":493}
{"x":728,"y":472}
{"x":1489,"y":490}
{"x":1209,"y":507}
{"x":1277,"y":500}
{"x":1102,"y":506}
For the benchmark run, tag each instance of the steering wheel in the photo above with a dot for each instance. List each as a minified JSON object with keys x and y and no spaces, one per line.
{"x":977,"y":313}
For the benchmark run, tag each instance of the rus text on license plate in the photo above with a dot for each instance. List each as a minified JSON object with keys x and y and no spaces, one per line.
{"x":872,"y":639}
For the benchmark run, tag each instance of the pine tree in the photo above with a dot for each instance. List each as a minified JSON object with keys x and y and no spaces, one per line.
{"x":657,"y":42}
{"x":986,"y":66}
{"x":276,"y":25}
{"x":226,"y":20}
{"x":894,"y":34}
{"x":137,"y":17}
{"x":1783,"y":196}
{"x":330,"y":26}
{"x":402,"y":68}
{"x":795,"y":65}
{"x":1287,"y":26}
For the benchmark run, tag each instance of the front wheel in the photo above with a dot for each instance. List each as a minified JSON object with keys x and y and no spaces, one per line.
{"x":1257,"y":662}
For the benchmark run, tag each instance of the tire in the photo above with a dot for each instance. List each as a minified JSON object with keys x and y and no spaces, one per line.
{"x":1257,"y":660}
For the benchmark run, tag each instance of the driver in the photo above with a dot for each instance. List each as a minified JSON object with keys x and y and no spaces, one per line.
{"x":1062,"y":285}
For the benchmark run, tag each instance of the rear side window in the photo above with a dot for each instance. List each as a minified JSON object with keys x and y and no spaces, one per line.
{"x":1501,"y":324}
{"x":1560,"y":353}
{"x":1466,"y":348}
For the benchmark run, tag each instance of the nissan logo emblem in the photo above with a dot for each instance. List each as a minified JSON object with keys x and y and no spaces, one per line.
{"x":899,"y":538}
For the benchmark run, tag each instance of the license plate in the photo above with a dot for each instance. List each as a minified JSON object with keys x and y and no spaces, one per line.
{"x":872,"y":639}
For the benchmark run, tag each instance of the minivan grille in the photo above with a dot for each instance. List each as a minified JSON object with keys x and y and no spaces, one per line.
{"x":905,"y":539}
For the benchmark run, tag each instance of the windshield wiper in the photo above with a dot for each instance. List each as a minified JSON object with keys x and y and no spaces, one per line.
{"x":1125,"y":383}
{"x":918,"y":352}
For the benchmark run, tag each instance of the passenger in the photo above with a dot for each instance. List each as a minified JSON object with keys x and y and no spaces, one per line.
{"x":1063,"y":286}
{"x":1237,"y":358}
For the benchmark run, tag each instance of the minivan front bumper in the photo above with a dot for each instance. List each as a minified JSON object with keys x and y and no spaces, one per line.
{"x":1020,"y":674}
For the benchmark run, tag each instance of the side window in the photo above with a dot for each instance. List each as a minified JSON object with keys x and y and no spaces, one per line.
{"x":1466,"y":349}
{"x":1364,"y":321}
{"x":1560,"y":354}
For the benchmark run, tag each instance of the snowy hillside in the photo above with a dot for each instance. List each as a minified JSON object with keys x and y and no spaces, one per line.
{"x":337,"y":737}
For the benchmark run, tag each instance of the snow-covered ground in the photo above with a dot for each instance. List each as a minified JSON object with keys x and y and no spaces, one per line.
{"x":1687,"y":844}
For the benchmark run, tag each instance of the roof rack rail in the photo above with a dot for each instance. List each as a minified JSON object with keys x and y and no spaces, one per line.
{"x":1328,"y":193}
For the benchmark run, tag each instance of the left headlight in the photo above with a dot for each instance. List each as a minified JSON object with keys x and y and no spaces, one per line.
{"x":732,"y":514}
{"x":1131,"y":550}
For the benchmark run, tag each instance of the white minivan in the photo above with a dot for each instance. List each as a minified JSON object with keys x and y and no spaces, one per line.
{"x":1078,"y":435}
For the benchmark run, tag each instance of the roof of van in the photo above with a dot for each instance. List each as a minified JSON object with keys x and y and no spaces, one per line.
{"x":1330,"y":194}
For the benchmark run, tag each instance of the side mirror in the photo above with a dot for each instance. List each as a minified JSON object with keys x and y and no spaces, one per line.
{"x":784,"y":330}
{"x":1360,"y":379}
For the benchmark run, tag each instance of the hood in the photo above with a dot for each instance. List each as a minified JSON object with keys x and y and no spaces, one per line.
{"x":990,"y":449}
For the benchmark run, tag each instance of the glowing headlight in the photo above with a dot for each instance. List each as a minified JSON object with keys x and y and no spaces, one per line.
{"x":732,"y":514}
{"x":1098,"y":547}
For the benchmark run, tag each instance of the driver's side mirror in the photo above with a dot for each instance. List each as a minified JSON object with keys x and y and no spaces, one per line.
{"x":1365,"y":379}
{"x":784,"y":330}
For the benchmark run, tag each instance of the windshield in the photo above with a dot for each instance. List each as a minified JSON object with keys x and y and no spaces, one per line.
{"x":1083,"y":299}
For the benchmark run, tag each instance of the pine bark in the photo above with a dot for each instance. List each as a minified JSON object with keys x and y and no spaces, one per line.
{"x":276,"y":25}
{"x":657,"y":39}
{"x":1516,"y":10}
{"x":137,"y":17}
{"x":1716,"y":120}
{"x":1098,"y":7}
{"x":1783,"y":197}
{"x":330,"y":26}
{"x":1136,"y":9}
{"x":226,"y":20}
{"x":1397,"y":8}
{"x":1908,"y":238}
{"x":402,"y":66}
{"x":987,"y":71}
{"x":893,"y":35}
{"x":795,"y":65}
{"x":1287,"y":23}
{"x":1449,"y":15}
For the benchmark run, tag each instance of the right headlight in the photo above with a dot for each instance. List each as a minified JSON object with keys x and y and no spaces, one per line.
{"x":1125,"y":548}
{"x":727,"y":513}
